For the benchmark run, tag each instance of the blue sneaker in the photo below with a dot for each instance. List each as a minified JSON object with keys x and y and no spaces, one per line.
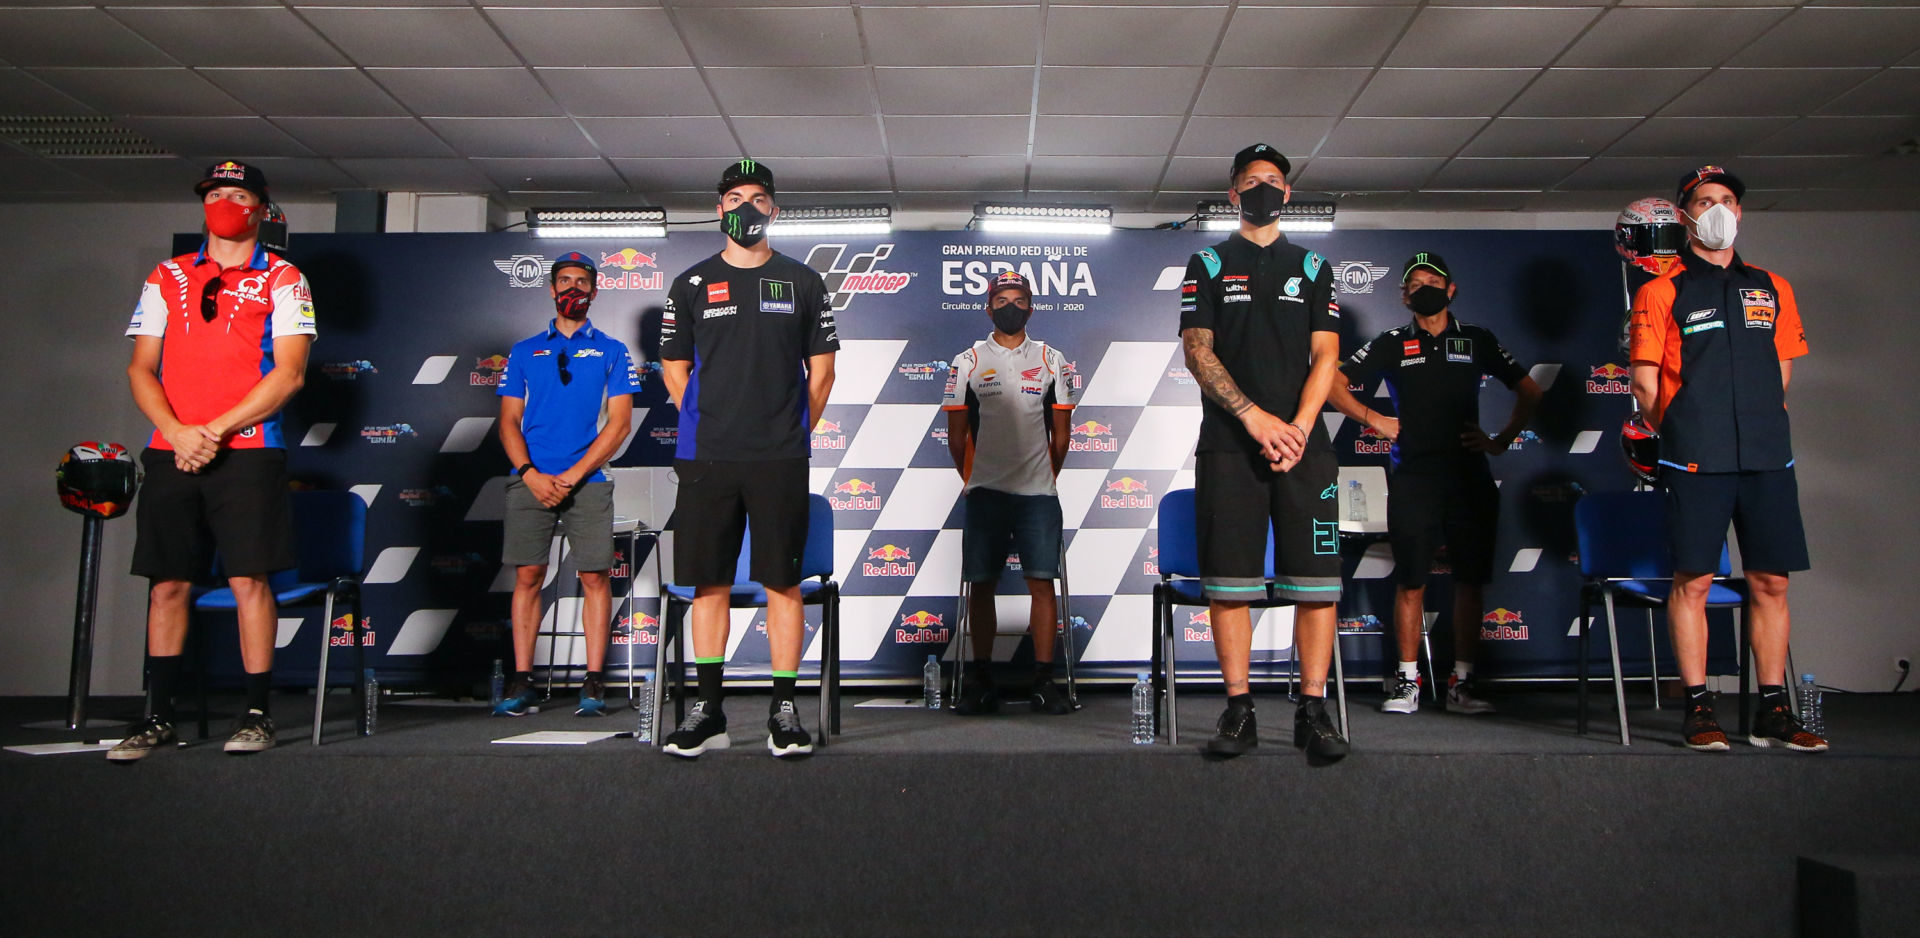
{"x":593,"y":702}
{"x":521,"y":700}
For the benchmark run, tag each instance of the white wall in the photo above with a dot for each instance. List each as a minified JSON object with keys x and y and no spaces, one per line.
{"x":1856,"y":405}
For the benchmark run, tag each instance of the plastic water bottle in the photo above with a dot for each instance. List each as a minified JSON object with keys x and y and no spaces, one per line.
{"x":1356,"y":501}
{"x":643,"y":705}
{"x":1142,"y":711}
{"x":930,"y":682}
{"x":1810,"y":706}
{"x":371,"y":692}
{"x":499,"y":683}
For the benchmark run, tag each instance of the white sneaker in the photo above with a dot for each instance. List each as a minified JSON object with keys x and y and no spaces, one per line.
{"x":1405,"y":697}
{"x":1460,"y":697}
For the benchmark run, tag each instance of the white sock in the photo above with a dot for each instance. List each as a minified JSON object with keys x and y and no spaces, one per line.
{"x":1410,"y":670}
{"x":1462,"y":670}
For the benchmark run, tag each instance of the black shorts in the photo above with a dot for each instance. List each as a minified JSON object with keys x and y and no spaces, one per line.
{"x":717,"y":502}
{"x":1237,"y":499}
{"x":1461,"y":510}
{"x":1764,"y":508}
{"x":238,"y":505}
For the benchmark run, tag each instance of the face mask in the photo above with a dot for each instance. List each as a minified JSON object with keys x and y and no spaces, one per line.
{"x":1428,"y":300}
{"x":229,"y":219}
{"x":572,"y":303}
{"x":1716,"y":227}
{"x":1262,"y":203}
{"x":744,"y":224}
{"x":1010,"y":319}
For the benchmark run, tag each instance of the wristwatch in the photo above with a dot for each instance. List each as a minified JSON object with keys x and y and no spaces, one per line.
{"x":522,"y":471}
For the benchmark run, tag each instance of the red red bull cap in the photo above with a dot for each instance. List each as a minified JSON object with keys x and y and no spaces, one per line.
{"x":232,"y":173}
{"x":1010,"y":280}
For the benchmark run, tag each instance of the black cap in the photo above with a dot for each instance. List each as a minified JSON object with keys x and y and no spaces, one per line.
{"x":572,"y":259}
{"x":231,"y":173}
{"x":1259,"y":151}
{"x":1704,"y":175}
{"x":1430,"y":261}
{"x":746,"y":172}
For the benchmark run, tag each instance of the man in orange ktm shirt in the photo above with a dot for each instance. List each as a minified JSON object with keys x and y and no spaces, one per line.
{"x":1713,"y":344}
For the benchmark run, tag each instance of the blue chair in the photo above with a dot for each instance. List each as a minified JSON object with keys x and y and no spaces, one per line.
{"x":330,"y":538}
{"x":1625,"y":560}
{"x":1180,"y":586}
{"x":817,"y":588}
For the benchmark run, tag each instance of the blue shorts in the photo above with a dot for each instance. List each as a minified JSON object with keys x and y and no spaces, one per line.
{"x":1764,"y":508}
{"x":998,"y":524}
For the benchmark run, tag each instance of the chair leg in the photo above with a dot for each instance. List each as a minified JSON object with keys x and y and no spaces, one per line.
{"x":1619,"y":687}
{"x":1585,"y":625}
{"x":1426,"y":647}
{"x":1340,"y":686}
{"x":1792,"y":679}
{"x":1066,"y":627}
{"x":320,"y":679}
{"x":199,"y":636}
{"x":360,"y":663}
{"x":1746,"y":663}
{"x":961,"y":647}
{"x":1155,"y":664}
{"x":1173,"y":677}
{"x":1653,"y":659}
{"x":659,"y":685}
{"x":834,"y":658}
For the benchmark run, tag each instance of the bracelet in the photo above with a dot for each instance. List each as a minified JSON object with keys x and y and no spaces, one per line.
{"x":522,"y":471}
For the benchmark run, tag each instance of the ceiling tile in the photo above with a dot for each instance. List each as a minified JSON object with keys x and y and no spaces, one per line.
{"x":1105,"y":136}
{"x":1548,"y":136}
{"x":244,"y":137}
{"x":1602,"y":92}
{"x":672,"y":175}
{"x":1641,"y":174}
{"x":1606,"y":200}
{"x":1677,"y":38}
{"x":1764,"y":92}
{"x":1369,"y":201}
{"x":329,"y":92}
{"x":1400,"y":136}
{"x":467,"y":92}
{"x":30,"y":177}
{"x":1860,"y":136}
{"x":1180,"y":202}
{"x":947,"y":201}
{"x":831,"y":174}
{"x":957,"y":136}
{"x":392,"y":38}
{"x":1201,"y":173}
{"x":1138,"y":173}
{"x":762,"y":36}
{"x":960,"y":172}
{"x":1273,"y":91}
{"x":417,"y":175}
{"x":155,"y":91}
{"x":1131,"y":35}
{"x":1697,"y":138}
{"x":1429,"y":200}
{"x":206,"y":38}
{"x":173,"y":176}
{"x":21,"y":93}
{"x":1865,"y":200}
{"x":304,"y":174}
{"x":583,"y":37}
{"x":951,"y":90}
{"x":629,"y":92}
{"x":364,"y":137}
{"x":1440,"y":92}
{"x":552,"y":174}
{"x":1534,"y":173}
{"x":513,"y":136}
{"x":1879,"y":172}
{"x":73,"y":37}
{"x":784,"y":92}
{"x":1000,"y":35}
{"x":1310,"y":36}
{"x":808,"y":136}
{"x":1800,"y":172}
{"x":1334,"y":173}
{"x":1864,"y":35}
{"x":1505,"y":37}
{"x":1894,"y":91}
{"x":663,"y":136}
{"x":1218,"y":138}
{"x":1071,"y":89}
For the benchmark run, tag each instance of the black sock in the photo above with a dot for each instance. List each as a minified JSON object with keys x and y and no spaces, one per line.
{"x":981,"y":668}
{"x":257,"y":687}
{"x":710,"y":682}
{"x":163,"y":676}
{"x":1042,"y":672}
{"x":782,"y":691}
{"x":1697,"y":696}
{"x":524,"y":678}
{"x":600,"y":676}
{"x":1241,"y":700}
{"x":1773,"y":695}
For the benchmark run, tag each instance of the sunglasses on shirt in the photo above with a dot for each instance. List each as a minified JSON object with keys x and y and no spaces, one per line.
{"x":566,"y":377}
{"x":210,"y":300}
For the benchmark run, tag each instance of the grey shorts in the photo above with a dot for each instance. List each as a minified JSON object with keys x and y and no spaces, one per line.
{"x":588,"y":512}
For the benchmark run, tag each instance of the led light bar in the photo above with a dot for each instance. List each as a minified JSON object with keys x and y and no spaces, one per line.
{"x":644,"y":222}
{"x":1042,"y":219}
{"x":1221,"y":215}
{"x":832,"y":220}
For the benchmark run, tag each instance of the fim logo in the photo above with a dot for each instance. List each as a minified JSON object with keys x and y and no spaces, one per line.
{"x":890,"y":564}
{"x":828,"y":435}
{"x":1371,"y":442}
{"x":640,"y":629}
{"x":1503,"y":625}
{"x":523,"y":270}
{"x":1204,"y":620}
{"x":921,"y":628}
{"x":1151,"y":565}
{"x":1099,"y":438}
{"x":387,"y":434}
{"x":629,"y":262}
{"x":1609,"y":379}
{"x":487,"y":371}
{"x":847,"y":278}
{"x":861,"y":496}
{"x":1126,"y":492}
{"x":348,"y":371}
{"x":342,"y":631}
{"x":922,"y":371}
{"x":1358,"y":276}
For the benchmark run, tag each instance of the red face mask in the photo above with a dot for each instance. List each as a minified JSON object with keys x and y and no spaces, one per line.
{"x":229,"y":219}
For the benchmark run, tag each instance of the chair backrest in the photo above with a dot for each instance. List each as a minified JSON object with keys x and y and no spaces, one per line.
{"x":330,"y":531}
{"x":1373,"y":497}
{"x":1179,"y":539}
{"x":1623,"y":535}
{"x":816,"y":559}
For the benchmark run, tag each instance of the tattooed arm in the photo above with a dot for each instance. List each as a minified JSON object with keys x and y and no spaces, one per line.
{"x":1267,"y":430}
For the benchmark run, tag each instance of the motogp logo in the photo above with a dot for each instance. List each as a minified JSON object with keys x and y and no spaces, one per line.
{"x":523,"y":270}
{"x":859,"y":274}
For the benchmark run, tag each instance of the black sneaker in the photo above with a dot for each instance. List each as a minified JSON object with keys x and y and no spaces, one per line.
{"x":785,"y":736}
{"x":593,"y":698}
{"x":699,"y":732}
{"x":1313,"y":731}
{"x":1777,"y":726}
{"x":1046,"y":697}
{"x":1235,"y":734}
{"x":978,"y":695}
{"x":142,"y":740}
{"x":1701,"y":731}
{"x":253,"y":732}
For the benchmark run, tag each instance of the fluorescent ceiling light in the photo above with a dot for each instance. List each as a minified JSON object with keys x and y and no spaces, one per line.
{"x":832,"y":220}
{"x":645,"y":222}
{"x":1014,"y":218}
{"x":1314,"y":217}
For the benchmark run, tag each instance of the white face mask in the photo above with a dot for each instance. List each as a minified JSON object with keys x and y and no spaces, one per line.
{"x":1716,"y":227}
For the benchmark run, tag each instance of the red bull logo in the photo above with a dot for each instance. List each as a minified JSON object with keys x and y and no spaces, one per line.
{"x":1370,"y":442}
{"x":628,"y":259}
{"x":1151,"y":565}
{"x":1199,"y":626}
{"x":1609,"y":379}
{"x":921,"y":628}
{"x":641,"y":629}
{"x":1126,"y":492}
{"x":629,"y":262}
{"x":342,"y":631}
{"x":861,"y":496}
{"x":1093,"y":430}
{"x":487,"y":371}
{"x":894,"y":561}
{"x":828,"y":435}
{"x":1503,"y":625}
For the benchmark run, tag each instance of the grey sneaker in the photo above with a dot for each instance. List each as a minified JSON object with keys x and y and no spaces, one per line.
{"x":252,"y":733}
{"x":1405,"y":697}
{"x":143,"y":739}
{"x":1460,"y":697}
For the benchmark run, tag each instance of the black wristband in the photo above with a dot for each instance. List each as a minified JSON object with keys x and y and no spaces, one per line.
{"x":522,"y":471}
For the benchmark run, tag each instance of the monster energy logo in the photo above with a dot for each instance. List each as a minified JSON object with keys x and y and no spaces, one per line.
{"x":1420,"y":260}
{"x":746,"y":166}
{"x":732,"y":223}
{"x":776,"y":296}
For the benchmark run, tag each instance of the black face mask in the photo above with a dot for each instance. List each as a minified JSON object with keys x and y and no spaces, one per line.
{"x":1262,"y":203}
{"x":1010,"y":319}
{"x":1428,"y":300}
{"x":745,"y":224}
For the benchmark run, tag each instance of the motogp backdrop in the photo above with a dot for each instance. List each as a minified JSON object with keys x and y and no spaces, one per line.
{"x":414,"y":330}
